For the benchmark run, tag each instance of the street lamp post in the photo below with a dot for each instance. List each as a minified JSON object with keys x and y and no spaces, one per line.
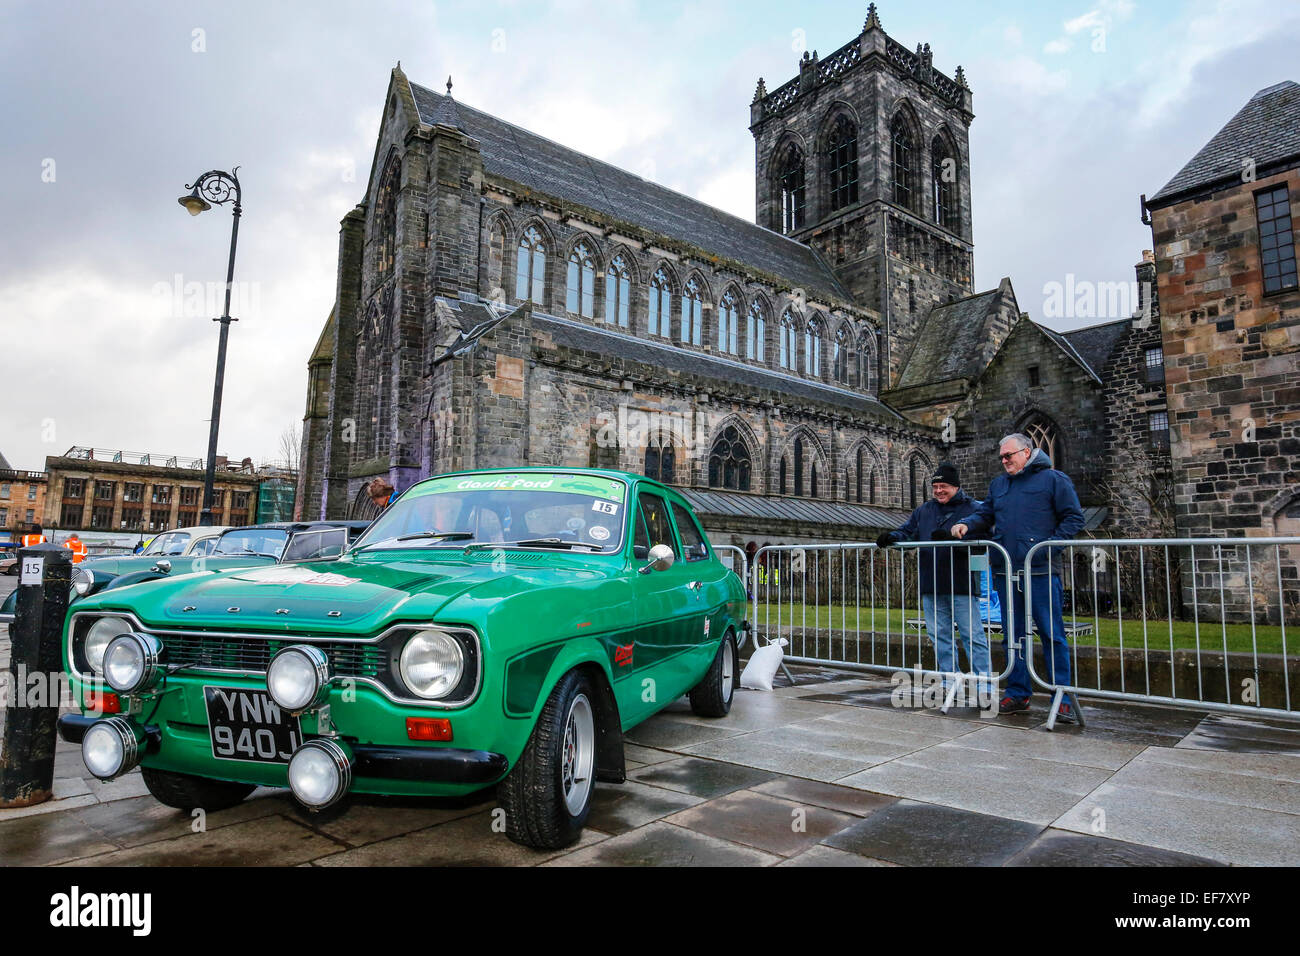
{"x":216,"y":188}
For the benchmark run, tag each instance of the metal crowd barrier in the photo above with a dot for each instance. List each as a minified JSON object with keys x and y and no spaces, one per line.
{"x":1198,"y":622}
{"x":858,"y":607}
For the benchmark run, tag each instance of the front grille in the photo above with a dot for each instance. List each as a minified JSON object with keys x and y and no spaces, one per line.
{"x":348,"y":658}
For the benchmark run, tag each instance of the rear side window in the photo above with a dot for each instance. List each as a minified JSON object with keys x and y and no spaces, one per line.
{"x":658,"y":527}
{"x":692,"y":537}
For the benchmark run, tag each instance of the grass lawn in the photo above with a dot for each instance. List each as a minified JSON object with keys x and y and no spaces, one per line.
{"x":1108,"y":631}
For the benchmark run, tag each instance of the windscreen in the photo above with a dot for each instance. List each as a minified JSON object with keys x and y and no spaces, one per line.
{"x":579,"y":512}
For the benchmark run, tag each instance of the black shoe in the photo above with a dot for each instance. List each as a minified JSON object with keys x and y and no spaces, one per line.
{"x":1010,"y":705}
{"x":1065,"y":715}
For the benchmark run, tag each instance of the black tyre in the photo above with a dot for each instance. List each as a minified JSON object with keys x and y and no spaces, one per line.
{"x":711,"y":697}
{"x":547,"y":794}
{"x":184,"y":792}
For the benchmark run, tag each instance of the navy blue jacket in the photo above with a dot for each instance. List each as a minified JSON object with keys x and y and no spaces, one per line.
{"x":943,"y":569}
{"x":1037,"y":504}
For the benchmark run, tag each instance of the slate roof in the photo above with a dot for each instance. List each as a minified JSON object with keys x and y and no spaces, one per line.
{"x":1096,"y":343}
{"x":547,"y":167}
{"x":1266,"y":129}
{"x":805,"y":511}
{"x":948,"y":345}
{"x":4,"y":463}
{"x":593,"y":338}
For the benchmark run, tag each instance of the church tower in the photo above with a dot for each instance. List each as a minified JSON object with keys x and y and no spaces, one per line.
{"x":865,"y":156}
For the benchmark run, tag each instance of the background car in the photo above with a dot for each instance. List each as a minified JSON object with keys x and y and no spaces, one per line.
{"x":8,"y":562}
{"x":490,"y":628}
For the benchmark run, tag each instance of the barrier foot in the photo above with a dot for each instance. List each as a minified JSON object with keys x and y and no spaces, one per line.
{"x":788,"y":676}
{"x":1078,"y":711}
{"x":951,"y":695}
{"x":1056,"y":705}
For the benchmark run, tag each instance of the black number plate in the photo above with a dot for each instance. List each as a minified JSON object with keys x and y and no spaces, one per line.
{"x":247,"y":725}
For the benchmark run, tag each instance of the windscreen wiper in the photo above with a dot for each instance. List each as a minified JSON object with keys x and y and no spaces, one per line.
{"x":552,"y":543}
{"x":454,"y":535}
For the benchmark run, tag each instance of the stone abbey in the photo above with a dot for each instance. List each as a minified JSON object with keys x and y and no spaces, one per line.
{"x":503,"y":300}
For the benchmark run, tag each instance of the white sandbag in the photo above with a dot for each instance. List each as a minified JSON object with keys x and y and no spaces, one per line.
{"x":762,"y":665}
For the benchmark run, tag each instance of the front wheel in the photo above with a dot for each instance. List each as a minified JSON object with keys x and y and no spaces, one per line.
{"x":547,"y":794}
{"x":185,"y":792}
{"x":711,"y":697}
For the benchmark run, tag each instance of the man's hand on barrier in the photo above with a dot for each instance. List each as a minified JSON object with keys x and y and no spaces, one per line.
{"x":885,"y":540}
{"x":960,"y":531}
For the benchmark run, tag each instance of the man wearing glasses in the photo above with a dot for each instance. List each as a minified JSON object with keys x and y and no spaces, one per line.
{"x":1029,"y":503}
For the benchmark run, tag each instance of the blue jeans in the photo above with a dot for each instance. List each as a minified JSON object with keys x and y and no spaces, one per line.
{"x":1048,"y":620}
{"x":941,"y":612}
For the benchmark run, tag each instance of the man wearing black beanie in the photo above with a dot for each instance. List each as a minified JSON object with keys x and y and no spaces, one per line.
{"x":945,"y":578}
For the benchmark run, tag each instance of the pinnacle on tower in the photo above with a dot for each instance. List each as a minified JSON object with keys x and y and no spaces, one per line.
{"x":873,"y":21}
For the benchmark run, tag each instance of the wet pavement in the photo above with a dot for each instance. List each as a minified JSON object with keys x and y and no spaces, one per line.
{"x":825,"y":773}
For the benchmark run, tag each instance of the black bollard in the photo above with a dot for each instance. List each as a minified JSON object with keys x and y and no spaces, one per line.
{"x":27,"y":756}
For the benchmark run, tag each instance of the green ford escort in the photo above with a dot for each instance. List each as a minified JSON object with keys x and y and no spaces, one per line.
{"x":491,"y":627}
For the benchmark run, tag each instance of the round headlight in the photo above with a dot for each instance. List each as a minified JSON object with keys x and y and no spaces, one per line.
{"x":431,"y":664}
{"x":298,"y":678}
{"x":101,"y":632}
{"x":320,"y":772}
{"x":82,"y":580}
{"x":110,"y":748}
{"x":131,"y":663}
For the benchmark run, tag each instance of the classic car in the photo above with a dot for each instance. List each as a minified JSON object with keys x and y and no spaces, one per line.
{"x":8,"y":562}
{"x":248,"y":546}
{"x":499,"y":627}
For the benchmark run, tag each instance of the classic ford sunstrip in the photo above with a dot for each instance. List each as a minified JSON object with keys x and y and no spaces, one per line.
{"x":491,"y":627}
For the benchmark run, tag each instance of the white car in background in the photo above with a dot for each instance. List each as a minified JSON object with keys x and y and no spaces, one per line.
{"x":184,"y":541}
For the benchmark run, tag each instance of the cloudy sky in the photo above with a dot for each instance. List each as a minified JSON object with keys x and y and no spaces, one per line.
{"x":107,"y":287}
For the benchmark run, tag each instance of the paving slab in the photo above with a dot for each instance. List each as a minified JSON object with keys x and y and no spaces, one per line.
{"x":865,"y":745}
{"x":815,"y":793}
{"x":664,"y":733}
{"x":49,"y":838}
{"x":701,"y":778}
{"x":751,"y":751}
{"x":999,"y":768}
{"x":1133,"y":723}
{"x":901,"y":721}
{"x":969,"y":787}
{"x":135,"y":821}
{"x":466,"y":841}
{"x":56,"y":805}
{"x":371,"y":819}
{"x":1242,"y":835}
{"x":764,"y":822}
{"x":922,"y":834}
{"x":269,"y":841}
{"x":1062,"y":848}
{"x":829,"y":856}
{"x":124,"y":787}
{"x":619,"y":807}
{"x":755,"y":710}
{"x":1080,"y":751}
{"x":1243,"y":733}
{"x":1272,"y":766}
{"x":646,"y":755}
{"x":662,"y":844}
{"x":1230,"y":789}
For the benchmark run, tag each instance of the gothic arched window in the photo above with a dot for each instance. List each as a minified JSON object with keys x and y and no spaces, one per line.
{"x":864,"y":362}
{"x":943,"y":178}
{"x":812,"y":344}
{"x":791,"y":183}
{"x":840,"y":358}
{"x":1042,"y":431}
{"x":783,"y":484}
{"x":857,"y":476}
{"x":618,"y":289}
{"x":530,"y":271}
{"x":729,"y":462}
{"x":496,"y":260}
{"x":692,"y":313}
{"x":788,"y":341}
{"x":728,"y":319}
{"x":812,"y":480}
{"x":581,"y":292}
{"x":905,"y":172}
{"x":660,"y":461}
{"x":386,"y":217}
{"x":755,"y":334}
{"x":661,"y":304}
{"x":842,"y":164}
{"x":798,"y":466}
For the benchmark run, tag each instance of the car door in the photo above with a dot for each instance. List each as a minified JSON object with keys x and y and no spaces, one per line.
{"x":663,"y":600}
{"x":703,"y":584}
